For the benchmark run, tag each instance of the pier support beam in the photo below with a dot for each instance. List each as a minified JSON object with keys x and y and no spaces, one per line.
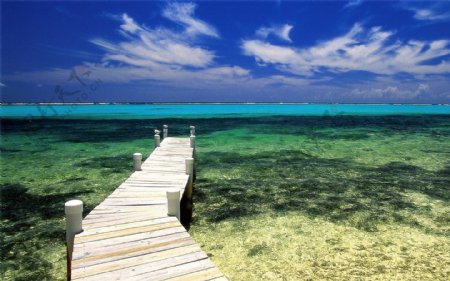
{"x":192,"y":130}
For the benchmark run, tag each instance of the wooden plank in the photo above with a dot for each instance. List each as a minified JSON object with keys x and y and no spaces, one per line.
{"x":180,"y":247}
{"x":129,"y":236}
{"x":104,"y":207}
{"x":134,"y":224}
{"x":206,"y":274}
{"x":106,"y":221}
{"x":168,"y":234}
{"x":223,"y":278}
{"x":122,"y":232}
{"x":149,"y":202}
{"x":131,"y":264}
{"x":89,"y":252}
{"x":173,"y":271}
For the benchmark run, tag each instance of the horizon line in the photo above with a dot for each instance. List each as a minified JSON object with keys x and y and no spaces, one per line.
{"x":217,"y":103}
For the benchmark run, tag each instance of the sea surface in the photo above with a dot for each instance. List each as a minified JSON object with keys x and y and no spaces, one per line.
{"x":152,"y":111}
{"x":326,"y":191}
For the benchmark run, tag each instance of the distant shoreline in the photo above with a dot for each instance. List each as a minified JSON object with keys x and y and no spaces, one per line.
{"x":213,"y":103}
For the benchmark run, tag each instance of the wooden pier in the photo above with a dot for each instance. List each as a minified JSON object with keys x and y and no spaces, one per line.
{"x":130,"y":235}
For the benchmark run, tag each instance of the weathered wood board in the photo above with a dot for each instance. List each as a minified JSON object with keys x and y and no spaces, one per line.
{"x":129,"y":236}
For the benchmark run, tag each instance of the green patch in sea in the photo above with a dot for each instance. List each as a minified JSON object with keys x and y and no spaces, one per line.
{"x":280,"y":197}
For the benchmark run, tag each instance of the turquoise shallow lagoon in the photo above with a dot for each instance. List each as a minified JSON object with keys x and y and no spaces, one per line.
{"x":137,"y":111}
{"x":283,"y":192}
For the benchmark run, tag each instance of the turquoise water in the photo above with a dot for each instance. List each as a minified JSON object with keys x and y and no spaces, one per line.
{"x":128,"y":111}
{"x":367,"y":178}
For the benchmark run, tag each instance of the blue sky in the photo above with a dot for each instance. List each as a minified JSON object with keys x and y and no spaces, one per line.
{"x":231,"y":51}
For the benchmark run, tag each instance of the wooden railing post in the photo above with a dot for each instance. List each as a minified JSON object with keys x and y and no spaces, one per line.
{"x":192,"y":144}
{"x":173,"y":203}
{"x":192,"y":140}
{"x":157,"y":138}
{"x":74,"y":215}
{"x":189,"y":163}
{"x":165,"y":131}
{"x":137,"y":161}
{"x":190,"y":169}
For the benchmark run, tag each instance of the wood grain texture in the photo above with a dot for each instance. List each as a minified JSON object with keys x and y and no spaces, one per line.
{"x":129,"y":236}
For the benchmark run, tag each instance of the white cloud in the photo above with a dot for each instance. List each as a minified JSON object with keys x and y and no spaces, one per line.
{"x":183,"y":13}
{"x":281,"y":31}
{"x":157,"y":55}
{"x":429,"y":14}
{"x":392,"y":92}
{"x":353,"y":3}
{"x":174,"y":59}
{"x":129,"y":24}
{"x":423,"y":88}
{"x":146,"y":47}
{"x":112,"y":74}
{"x":268,"y":53}
{"x":2,"y":85}
{"x":372,"y":50}
{"x":282,"y":80}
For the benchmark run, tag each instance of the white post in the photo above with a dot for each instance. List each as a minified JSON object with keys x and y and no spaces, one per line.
{"x":189,"y":163}
{"x":192,"y":139}
{"x":192,"y":130}
{"x":173,"y":203}
{"x":189,"y":166}
{"x":157,"y":140}
{"x":165,"y":131}
{"x":74,"y":211}
{"x":137,"y":161}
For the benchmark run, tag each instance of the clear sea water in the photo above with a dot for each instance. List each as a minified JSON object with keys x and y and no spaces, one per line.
{"x":135,"y":111}
{"x":377,"y":178}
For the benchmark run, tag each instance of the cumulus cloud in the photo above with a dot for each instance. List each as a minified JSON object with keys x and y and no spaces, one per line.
{"x":2,"y":85}
{"x":373,"y":50}
{"x":280,"y":31}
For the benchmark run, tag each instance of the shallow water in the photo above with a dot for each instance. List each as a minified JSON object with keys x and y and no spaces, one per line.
{"x":376,"y":182}
{"x":138,"y":111}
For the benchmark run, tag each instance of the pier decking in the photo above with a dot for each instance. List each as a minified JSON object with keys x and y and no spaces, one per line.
{"x":129,"y":236}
